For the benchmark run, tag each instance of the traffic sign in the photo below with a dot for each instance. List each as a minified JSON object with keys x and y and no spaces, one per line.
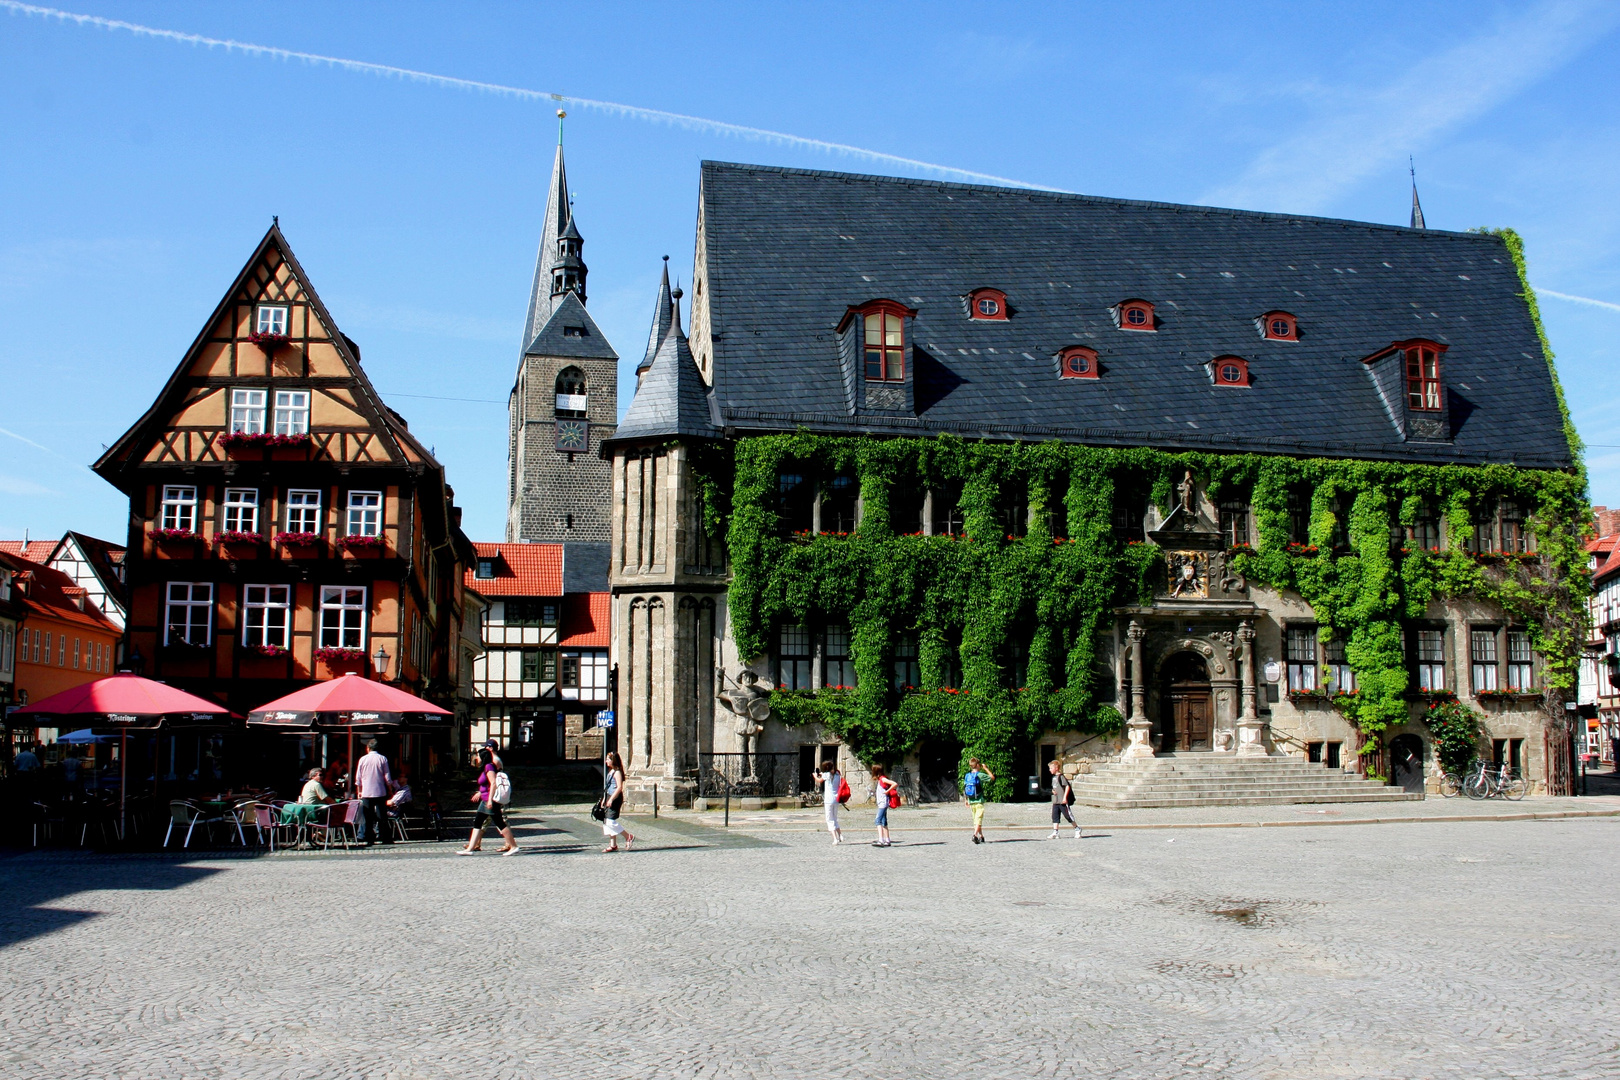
{"x":605,"y":716}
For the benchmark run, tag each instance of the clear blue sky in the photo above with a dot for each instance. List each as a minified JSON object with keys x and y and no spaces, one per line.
{"x":137,"y":172}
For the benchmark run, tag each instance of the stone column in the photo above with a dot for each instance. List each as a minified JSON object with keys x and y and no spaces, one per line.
{"x":1251,"y":730}
{"x":1139,"y":726}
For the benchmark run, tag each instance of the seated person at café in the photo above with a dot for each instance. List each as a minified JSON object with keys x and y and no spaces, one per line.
{"x":314,"y":793}
{"x":401,"y":795}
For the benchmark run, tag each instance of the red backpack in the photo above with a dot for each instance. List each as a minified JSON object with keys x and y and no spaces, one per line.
{"x":843,"y":791}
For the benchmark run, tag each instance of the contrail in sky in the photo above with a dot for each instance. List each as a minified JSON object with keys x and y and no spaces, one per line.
{"x":1578,"y":299}
{"x":658,"y":116}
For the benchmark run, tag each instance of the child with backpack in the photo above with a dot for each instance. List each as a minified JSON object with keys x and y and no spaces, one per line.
{"x":887,"y":794}
{"x":975,"y":790}
{"x":1062,"y":799}
{"x":834,"y":793}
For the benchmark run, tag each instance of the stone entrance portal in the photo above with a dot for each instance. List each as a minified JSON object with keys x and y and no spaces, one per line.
{"x":1187,"y":714}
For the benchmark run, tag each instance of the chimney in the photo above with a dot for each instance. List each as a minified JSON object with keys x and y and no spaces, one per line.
{"x":1606,"y":521}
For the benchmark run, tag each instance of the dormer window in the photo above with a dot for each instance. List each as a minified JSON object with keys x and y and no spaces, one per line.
{"x":1133,"y":315}
{"x":486,"y":569}
{"x":1423,"y":378}
{"x":271,"y":319}
{"x":987,"y":304}
{"x":1278,"y":326}
{"x":1230,"y":371}
{"x":573,"y":331}
{"x":1077,"y":362}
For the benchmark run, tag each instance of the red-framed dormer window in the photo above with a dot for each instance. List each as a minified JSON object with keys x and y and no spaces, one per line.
{"x":1230,"y":371}
{"x":987,"y":304}
{"x":1077,"y":362}
{"x":1134,"y":315}
{"x":1423,"y":377}
{"x":882,"y":330}
{"x":1278,"y":326}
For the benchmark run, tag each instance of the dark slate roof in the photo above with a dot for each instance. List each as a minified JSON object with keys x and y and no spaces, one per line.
{"x":788,"y":251}
{"x":589,"y":344}
{"x":663,"y":315}
{"x":585,"y":566}
{"x":559,"y":218}
{"x":672,"y":399}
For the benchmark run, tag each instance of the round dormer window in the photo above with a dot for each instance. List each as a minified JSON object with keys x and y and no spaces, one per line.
{"x":989,"y":306}
{"x":1136,"y":316}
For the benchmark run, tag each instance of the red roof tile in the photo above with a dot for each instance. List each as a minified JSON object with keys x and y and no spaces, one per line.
{"x":47,"y":592}
{"x":38,"y":551}
{"x":586,"y":620}
{"x":520,"y":570}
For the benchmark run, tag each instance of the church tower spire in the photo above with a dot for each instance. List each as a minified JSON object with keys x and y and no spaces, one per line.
{"x":558,"y":267}
{"x":1417,"y":207}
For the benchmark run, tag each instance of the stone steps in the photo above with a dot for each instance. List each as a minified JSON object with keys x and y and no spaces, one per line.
{"x":1222,"y":780}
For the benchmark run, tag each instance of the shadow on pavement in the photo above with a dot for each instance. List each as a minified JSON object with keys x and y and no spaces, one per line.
{"x":28,"y":884}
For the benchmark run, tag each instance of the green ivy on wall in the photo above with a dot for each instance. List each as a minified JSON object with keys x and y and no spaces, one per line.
{"x":980,"y":591}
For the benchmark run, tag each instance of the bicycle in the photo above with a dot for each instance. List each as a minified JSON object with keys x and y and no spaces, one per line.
{"x":1487,"y":781}
{"x":1451,"y":784}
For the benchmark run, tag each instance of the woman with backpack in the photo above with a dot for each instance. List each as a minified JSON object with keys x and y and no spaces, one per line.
{"x":494,"y":791}
{"x":1062,"y":799}
{"x":834,"y":791}
{"x":887,"y":794}
{"x":975,"y":790}
{"x":612,"y":802}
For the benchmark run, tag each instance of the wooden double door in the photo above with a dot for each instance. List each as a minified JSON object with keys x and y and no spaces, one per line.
{"x":1188,"y":715}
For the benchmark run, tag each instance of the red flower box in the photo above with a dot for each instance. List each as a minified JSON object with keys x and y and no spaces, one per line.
{"x":233,"y":536}
{"x":260,"y":440}
{"x":340,"y":656}
{"x":356,"y":542}
{"x":292,"y":539}
{"x":267,"y":650}
{"x":268,"y":342}
{"x":175,"y":535}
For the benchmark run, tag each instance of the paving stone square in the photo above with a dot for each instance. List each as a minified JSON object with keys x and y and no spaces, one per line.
{"x":1424,"y":949}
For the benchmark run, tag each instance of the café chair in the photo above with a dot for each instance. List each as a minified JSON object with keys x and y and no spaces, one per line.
{"x":188,"y":816}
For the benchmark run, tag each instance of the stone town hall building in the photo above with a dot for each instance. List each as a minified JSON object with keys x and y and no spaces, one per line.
{"x":1206,"y":363}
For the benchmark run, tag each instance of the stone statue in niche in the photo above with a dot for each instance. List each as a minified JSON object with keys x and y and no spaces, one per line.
{"x":1188,"y":493}
{"x":1189,"y":574}
{"x":750,"y":707}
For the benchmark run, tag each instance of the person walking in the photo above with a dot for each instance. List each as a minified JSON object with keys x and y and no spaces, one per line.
{"x":975,"y":790}
{"x":371,"y":783}
{"x":832,"y":784}
{"x":489,"y":810}
{"x":887,"y":794}
{"x":612,"y":802}
{"x":1062,"y":799}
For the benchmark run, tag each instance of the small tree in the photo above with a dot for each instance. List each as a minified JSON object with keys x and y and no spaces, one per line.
{"x":1454,"y":728}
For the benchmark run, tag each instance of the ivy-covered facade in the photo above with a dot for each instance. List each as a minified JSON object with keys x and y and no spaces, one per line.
{"x":958,"y":471}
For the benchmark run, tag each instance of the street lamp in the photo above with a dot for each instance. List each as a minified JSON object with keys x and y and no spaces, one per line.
{"x":381,"y":658}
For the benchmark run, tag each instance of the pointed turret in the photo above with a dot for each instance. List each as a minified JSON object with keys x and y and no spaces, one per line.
{"x":672,"y":398}
{"x":1417,"y":207}
{"x":662,"y":315}
{"x":558,"y":267}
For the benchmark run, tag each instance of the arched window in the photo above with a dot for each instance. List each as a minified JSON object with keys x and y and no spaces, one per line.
{"x":1077,"y":362}
{"x":988,"y":304}
{"x":1230,"y":371}
{"x":1133,"y":315}
{"x":1278,"y":326}
{"x":882,"y":329}
{"x":572,"y":397}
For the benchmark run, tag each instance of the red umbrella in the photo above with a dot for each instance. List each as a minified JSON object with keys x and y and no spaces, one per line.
{"x":351,"y":702}
{"x":125,"y":703}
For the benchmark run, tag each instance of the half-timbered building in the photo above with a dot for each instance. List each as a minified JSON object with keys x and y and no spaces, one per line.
{"x":284,"y":524}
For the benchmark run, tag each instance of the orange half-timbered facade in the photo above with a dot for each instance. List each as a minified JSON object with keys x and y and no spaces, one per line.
{"x":284,"y":525}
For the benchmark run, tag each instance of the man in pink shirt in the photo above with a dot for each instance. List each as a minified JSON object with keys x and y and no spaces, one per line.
{"x":371,"y":783}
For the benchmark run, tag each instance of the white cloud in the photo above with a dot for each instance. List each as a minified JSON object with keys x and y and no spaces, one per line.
{"x":1306,"y":170}
{"x":14,"y":485}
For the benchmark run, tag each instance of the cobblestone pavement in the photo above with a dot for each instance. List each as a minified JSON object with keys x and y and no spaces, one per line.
{"x":1429,"y":949}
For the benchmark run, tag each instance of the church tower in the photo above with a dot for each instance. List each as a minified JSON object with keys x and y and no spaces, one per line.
{"x":565,"y":400}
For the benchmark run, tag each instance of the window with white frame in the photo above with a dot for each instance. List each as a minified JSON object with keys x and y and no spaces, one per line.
{"x":180,"y":508}
{"x":241,"y":510}
{"x":839,"y":664}
{"x":186,"y":621}
{"x":1521,"y":662}
{"x":266,"y":614}
{"x":343,"y":617}
{"x":584,"y":675}
{"x":303,"y":511}
{"x":272,"y":319}
{"x":292,"y":412}
{"x":1341,"y":679}
{"x":1482,"y":653}
{"x":8,"y":646}
{"x":247,"y":411}
{"x":76,"y":643}
{"x":1431,"y":661}
{"x":61,"y":651}
{"x":1301,"y":648}
{"x":794,"y":658}
{"x":365,"y":513}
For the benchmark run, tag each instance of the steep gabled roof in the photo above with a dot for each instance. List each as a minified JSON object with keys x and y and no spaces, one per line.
{"x":262,"y":277}
{"x":520,"y":570}
{"x":571,"y":332}
{"x":787,"y":252}
{"x":672,"y":399}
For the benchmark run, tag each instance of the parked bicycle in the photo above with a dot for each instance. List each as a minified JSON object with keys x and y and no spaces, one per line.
{"x":1451,"y":784}
{"x":1488,"y":780}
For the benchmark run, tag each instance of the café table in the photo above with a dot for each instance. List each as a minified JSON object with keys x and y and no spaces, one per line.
{"x":302,"y":815}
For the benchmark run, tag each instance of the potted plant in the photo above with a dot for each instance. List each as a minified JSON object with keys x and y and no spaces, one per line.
{"x":267,"y":650}
{"x":237,"y":537}
{"x":262,"y":440}
{"x":362,"y":545}
{"x":267,"y":341}
{"x":338,"y":661}
{"x":176,"y":536}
